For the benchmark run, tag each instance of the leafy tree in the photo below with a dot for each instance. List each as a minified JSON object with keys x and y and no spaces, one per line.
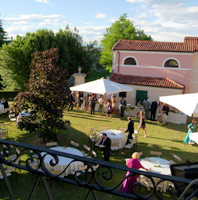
{"x":123,"y":28}
{"x":92,"y":56}
{"x":2,"y":34}
{"x":15,"y":57}
{"x":46,"y":95}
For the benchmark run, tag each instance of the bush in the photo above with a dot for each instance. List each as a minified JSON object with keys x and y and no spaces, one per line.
{"x":9,"y":95}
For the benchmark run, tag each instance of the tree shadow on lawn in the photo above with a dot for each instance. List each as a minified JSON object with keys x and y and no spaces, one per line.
{"x":164,"y":139}
{"x":91,"y":117}
{"x":170,"y":125}
{"x":166,"y":153}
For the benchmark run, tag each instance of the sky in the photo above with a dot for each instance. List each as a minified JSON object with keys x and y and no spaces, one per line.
{"x":164,"y":20}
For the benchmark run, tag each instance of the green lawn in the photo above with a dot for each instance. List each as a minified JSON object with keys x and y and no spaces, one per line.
{"x":167,"y":139}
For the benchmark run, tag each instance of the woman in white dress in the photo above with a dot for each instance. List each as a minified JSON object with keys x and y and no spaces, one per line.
{"x":159,"y":112}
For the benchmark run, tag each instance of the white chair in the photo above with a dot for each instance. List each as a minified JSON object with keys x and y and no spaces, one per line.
{"x":94,"y":153}
{"x":87,"y":149}
{"x":51,"y":144}
{"x":7,"y":172}
{"x":114,"y":146}
{"x":74,"y":143}
{"x":121,"y":129}
{"x":156,"y":153}
{"x":104,"y":127}
{"x":12,"y":116}
{"x":176,"y":157}
{"x":3,"y":130}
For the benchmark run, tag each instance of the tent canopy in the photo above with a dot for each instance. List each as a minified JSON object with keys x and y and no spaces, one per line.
{"x":187,"y":103}
{"x":101,"y":86}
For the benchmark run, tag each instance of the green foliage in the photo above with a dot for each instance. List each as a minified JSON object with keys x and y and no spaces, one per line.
{"x":123,"y":28}
{"x":92,"y":56}
{"x":92,"y":75}
{"x":15,"y":57}
{"x":2,"y":34}
{"x":46,"y":97}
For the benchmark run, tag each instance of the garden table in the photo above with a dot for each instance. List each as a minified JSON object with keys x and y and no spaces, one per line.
{"x":64,"y":161}
{"x":117,"y":138}
{"x":157,"y":165}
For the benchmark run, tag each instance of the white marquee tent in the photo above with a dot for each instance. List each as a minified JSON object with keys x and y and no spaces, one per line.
{"x":102,"y":86}
{"x":187,"y":103}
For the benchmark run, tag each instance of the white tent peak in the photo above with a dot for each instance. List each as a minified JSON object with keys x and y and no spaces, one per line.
{"x":102,"y":86}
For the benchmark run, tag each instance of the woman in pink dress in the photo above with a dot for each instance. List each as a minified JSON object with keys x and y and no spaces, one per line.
{"x":133,"y":163}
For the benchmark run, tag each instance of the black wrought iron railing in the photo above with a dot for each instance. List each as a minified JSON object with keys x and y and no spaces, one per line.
{"x":96,"y":175}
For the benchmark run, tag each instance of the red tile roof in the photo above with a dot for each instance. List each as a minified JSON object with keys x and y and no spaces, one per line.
{"x":146,"y":81}
{"x":190,"y":44}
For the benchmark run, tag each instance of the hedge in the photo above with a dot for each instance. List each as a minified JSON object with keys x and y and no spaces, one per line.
{"x":9,"y":95}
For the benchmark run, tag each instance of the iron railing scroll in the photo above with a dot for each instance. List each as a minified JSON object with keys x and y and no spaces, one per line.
{"x":101,"y":178}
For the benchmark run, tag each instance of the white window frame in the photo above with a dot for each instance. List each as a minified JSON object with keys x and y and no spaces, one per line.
{"x":171,"y":58}
{"x":130,"y":57}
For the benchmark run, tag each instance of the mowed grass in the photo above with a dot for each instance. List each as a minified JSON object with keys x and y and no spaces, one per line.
{"x":167,"y":139}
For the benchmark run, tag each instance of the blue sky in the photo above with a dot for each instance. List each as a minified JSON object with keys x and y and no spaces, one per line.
{"x":164,"y":20}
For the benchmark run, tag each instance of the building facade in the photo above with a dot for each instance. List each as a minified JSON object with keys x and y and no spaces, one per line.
{"x":156,"y":68}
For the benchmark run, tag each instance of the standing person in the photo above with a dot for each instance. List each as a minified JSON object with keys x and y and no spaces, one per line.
{"x":132,"y":163}
{"x":78,"y":100}
{"x":192,"y":127}
{"x":107,"y":146}
{"x":5,"y":103}
{"x":165,"y":111}
{"x":142,"y":123}
{"x":153,"y":110}
{"x":109,"y":109}
{"x":101,"y":103}
{"x":130,"y":129}
{"x":71,"y":100}
{"x":146,"y":105}
{"x":113,"y":100}
{"x":92,"y":104}
{"x":123,"y":104}
{"x":138,"y":108}
{"x":86,"y":102}
{"x":159,"y":112}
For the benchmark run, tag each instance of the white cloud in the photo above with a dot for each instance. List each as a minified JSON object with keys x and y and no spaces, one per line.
{"x":22,"y":24}
{"x":169,"y":20}
{"x":42,"y":1}
{"x":32,"y":18}
{"x":113,"y":19}
{"x":135,"y":1}
{"x":100,"y":15}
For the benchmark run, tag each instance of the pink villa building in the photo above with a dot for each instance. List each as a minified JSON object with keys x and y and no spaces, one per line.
{"x":156,"y":68}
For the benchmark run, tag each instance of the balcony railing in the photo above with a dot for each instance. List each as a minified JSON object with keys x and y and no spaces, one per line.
{"x":95,"y":179}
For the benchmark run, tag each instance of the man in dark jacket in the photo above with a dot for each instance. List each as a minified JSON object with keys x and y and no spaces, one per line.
{"x":92,"y":104}
{"x":153,"y":110}
{"x":107,"y":146}
{"x":123,"y":104}
{"x":130,"y":129}
{"x":71,"y":100}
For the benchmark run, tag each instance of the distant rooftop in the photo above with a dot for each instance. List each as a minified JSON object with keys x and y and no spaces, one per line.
{"x":146,"y":81}
{"x":190,"y":44}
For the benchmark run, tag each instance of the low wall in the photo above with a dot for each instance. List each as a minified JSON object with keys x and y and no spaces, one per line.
{"x":177,"y":118}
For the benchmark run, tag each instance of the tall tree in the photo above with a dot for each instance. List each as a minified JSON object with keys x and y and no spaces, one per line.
{"x":15,"y":57}
{"x":123,"y":28}
{"x":2,"y":34}
{"x":46,"y":95}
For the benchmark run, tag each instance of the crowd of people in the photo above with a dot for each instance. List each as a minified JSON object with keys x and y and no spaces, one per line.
{"x":152,"y":110}
{"x":89,"y":102}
